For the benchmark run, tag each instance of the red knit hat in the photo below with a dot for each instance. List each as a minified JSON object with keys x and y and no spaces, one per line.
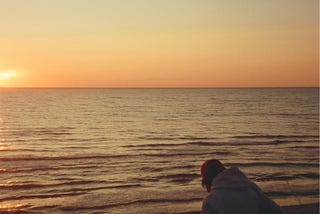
{"x":209,"y":170}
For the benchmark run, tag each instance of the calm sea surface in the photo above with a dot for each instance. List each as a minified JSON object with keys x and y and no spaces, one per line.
{"x":139,"y":150}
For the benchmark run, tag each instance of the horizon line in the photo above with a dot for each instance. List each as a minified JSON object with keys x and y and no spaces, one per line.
{"x":225,"y":87}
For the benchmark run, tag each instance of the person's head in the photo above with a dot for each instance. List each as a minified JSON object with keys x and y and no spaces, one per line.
{"x":209,"y":170}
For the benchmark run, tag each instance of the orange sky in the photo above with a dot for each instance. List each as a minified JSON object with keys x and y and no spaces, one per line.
{"x":150,"y":43}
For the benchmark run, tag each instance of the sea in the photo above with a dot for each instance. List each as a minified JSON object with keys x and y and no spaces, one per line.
{"x":139,"y":151}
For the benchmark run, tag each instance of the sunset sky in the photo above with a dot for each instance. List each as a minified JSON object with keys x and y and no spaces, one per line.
{"x":159,"y":43}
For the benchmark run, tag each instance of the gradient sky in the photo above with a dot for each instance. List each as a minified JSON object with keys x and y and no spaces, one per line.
{"x":159,"y":43}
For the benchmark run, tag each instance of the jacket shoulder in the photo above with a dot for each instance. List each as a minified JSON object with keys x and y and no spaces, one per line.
{"x":268,"y":205}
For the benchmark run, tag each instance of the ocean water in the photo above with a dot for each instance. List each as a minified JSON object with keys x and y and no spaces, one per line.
{"x":140,"y":150}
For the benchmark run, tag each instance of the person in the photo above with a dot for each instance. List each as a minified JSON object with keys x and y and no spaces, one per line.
{"x":230,"y":192}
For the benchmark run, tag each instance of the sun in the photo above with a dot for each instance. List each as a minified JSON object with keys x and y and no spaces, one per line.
{"x":8,"y":78}
{"x":9,"y":74}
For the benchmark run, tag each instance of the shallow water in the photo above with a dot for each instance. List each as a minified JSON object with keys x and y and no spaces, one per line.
{"x":139,"y":150}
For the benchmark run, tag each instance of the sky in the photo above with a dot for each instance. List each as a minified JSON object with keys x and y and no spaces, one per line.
{"x":159,"y":43}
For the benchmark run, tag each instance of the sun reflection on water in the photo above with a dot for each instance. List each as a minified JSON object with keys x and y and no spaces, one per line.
{"x":7,"y":184}
{"x":10,"y":207}
{"x":3,"y":146}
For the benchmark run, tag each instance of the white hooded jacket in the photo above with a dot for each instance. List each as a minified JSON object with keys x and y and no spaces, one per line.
{"x":233,"y":193}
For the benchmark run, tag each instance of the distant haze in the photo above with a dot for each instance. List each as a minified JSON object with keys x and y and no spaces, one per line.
{"x":159,"y":43}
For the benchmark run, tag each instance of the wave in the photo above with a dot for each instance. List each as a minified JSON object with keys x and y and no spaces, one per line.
{"x":304,"y":147}
{"x":295,"y":114}
{"x":54,"y":133}
{"x":215,"y":143}
{"x":180,"y":178}
{"x":144,"y":202}
{"x":185,"y":178}
{"x":126,"y":186}
{"x":62,"y":158}
{"x":153,"y":145}
{"x":281,"y":177}
{"x":133,"y":202}
{"x":41,"y":196}
{"x":176,"y":138}
{"x":274,"y":136}
{"x":29,"y":186}
{"x":277,"y":164}
{"x":41,"y":158}
{"x":263,"y":143}
{"x":192,"y":154}
{"x":138,"y":156}
{"x":42,"y":169}
{"x":16,"y":209}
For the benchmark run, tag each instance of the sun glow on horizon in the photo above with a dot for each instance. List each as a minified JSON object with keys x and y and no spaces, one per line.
{"x":146,"y":44}
{"x":7,"y":78}
{"x":8,"y":74}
